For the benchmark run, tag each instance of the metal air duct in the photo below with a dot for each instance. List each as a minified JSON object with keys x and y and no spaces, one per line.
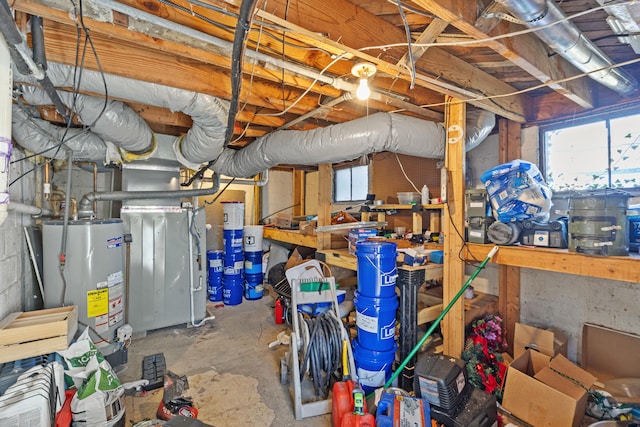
{"x":567,"y":40}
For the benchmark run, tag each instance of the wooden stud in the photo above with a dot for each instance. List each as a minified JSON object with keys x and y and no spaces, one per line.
{"x":453,"y":323}
{"x":325,"y":190}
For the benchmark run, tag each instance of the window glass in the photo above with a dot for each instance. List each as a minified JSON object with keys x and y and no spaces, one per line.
{"x":600,"y":154}
{"x":351,"y":184}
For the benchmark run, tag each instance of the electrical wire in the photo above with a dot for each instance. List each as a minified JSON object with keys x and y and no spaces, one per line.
{"x":407,"y":31}
{"x":405,"y":174}
{"x":276,"y":212}
{"x":501,"y":36}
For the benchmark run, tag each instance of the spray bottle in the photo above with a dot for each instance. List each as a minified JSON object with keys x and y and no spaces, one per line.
{"x":425,"y":195}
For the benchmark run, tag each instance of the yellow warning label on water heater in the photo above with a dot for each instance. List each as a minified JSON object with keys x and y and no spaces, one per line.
{"x":97,"y":302}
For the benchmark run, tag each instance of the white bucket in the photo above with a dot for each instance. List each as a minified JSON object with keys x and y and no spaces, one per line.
{"x":233,"y":215}
{"x":253,"y":238}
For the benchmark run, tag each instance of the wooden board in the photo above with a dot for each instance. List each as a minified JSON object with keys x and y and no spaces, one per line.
{"x":28,"y":334}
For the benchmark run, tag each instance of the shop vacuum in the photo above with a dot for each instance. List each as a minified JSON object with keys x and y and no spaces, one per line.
{"x":442,"y":381}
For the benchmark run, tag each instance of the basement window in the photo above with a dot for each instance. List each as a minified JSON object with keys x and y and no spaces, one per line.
{"x":592,"y":154}
{"x":351,"y":184}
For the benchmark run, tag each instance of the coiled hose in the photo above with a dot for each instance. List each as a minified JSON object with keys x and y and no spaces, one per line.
{"x":323,"y":354}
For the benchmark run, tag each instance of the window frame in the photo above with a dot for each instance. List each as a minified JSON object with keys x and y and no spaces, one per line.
{"x":606,"y":117}
{"x":350,"y":166}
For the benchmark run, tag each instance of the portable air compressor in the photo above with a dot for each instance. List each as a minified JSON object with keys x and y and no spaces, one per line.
{"x":442,"y":381}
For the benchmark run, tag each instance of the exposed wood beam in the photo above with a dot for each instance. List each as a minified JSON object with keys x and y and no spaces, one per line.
{"x":356,"y":28}
{"x":430,"y":33}
{"x":526,"y":51}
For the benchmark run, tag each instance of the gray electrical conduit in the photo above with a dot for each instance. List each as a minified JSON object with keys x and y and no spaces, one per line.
{"x":85,"y":207}
{"x":62,"y":258}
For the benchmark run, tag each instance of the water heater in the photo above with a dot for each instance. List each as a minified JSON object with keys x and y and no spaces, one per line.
{"x":93,"y":272}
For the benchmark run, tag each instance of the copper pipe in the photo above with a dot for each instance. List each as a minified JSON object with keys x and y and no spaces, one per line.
{"x":47,"y":180}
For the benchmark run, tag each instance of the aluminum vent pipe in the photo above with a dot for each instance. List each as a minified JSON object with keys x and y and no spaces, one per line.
{"x":567,"y":40}
{"x":85,"y":207}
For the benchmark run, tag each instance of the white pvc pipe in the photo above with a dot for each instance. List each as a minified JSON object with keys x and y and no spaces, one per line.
{"x":23,"y":208}
{"x":6,"y":82}
{"x":192,"y":289}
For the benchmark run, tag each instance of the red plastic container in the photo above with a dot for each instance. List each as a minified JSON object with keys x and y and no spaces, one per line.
{"x":63,"y":418}
{"x":355,"y":420}
{"x":342,"y":403}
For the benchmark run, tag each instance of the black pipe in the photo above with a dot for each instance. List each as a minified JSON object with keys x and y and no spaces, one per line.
{"x":37,"y":40}
{"x":242,"y":28}
{"x":408,"y":282}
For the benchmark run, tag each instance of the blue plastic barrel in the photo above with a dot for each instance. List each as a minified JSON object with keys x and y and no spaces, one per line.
{"x":376,"y":268}
{"x":232,"y":241}
{"x":253,"y":286}
{"x":253,"y":262}
{"x":214,"y":277}
{"x":232,"y":289}
{"x":373,"y":367}
{"x":376,"y":321}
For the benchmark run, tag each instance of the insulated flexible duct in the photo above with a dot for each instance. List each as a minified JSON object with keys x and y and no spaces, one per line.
{"x":345,"y":141}
{"x":567,"y":40}
{"x":112,"y":121}
{"x":40,"y":136}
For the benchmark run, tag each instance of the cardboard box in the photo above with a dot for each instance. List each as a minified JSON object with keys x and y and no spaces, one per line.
{"x":538,"y":390}
{"x":597,"y":357}
{"x":548,"y":341}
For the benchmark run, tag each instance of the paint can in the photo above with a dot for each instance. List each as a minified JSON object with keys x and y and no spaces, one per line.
{"x":372,"y":367}
{"x":232,"y":289}
{"x":253,"y":286}
{"x":376,"y":321}
{"x":253,"y":262}
{"x":214,"y":276}
{"x":253,"y":238}
{"x":376,"y":266}
{"x":233,"y":215}
{"x":232,"y":241}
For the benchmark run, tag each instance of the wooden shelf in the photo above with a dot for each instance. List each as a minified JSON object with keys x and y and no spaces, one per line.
{"x":342,"y":258}
{"x":293,"y":237}
{"x":403,"y":207}
{"x":625,"y":269}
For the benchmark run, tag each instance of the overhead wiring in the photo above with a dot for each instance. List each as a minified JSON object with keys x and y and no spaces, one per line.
{"x":409,"y":48}
{"x":502,"y":36}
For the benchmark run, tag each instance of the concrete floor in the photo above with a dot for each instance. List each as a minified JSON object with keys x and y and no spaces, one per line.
{"x":234,"y":377}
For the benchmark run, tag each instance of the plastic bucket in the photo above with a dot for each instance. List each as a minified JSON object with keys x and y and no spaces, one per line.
{"x":232,"y":241}
{"x":253,"y":286}
{"x":234,"y":260}
{"x":253,"y":238}
{"x":253,"y":262}
{"x":373,"y":367}
{"x":376,"y":268}
{"x":233,"y":213}
{"x":232,"y":289}
{"x":376,"y":321}
{"x":214,"y":278}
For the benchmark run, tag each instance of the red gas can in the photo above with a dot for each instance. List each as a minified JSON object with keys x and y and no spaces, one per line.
{"x":358,"y":420}
{"x":342,"y":402}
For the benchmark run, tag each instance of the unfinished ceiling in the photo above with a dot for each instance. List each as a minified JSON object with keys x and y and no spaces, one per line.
{"x":297,"y":62}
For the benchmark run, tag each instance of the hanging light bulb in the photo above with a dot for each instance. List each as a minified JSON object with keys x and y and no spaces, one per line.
{"x":363,"y":91}
{"x":363,"y":70}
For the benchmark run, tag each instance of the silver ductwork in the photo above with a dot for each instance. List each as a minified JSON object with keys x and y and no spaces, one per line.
{"x":41,"y":136}
{"x":111,"y":120}
{"x":569,"y":42}
{"x":347,"y":141}
{"x":205,"y":140}
{"x":209,"y":113}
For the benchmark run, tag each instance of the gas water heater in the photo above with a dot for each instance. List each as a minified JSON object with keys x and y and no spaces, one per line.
{"x":92,"y":277}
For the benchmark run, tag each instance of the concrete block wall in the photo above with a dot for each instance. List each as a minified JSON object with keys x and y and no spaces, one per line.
{"x":16,"y":275}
